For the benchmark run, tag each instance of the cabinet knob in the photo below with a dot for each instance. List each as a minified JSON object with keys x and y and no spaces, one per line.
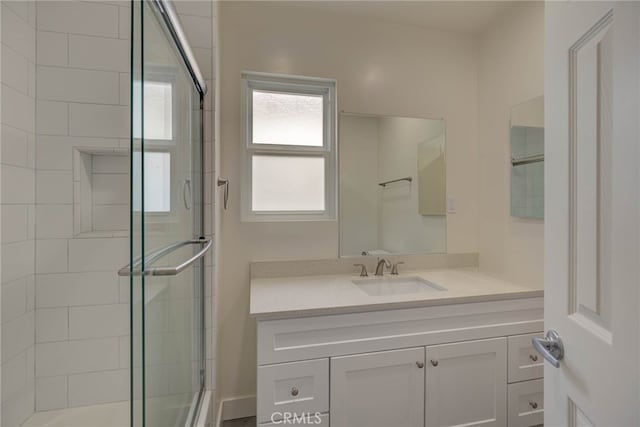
{"x":434,"y":362}
{"x":533,"y":357}
{"x":294,"y":391}
{"x":420,"y":365}
{"x":533,"y":405}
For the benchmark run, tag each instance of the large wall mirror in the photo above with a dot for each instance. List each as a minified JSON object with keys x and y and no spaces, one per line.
{"x":392,"y":185}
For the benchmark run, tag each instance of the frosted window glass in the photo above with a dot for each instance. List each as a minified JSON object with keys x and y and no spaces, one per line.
{"x":157,"y":182}
{"x":287,"y":119}
{"x":158,"y":110}
{"x":288,"y":183}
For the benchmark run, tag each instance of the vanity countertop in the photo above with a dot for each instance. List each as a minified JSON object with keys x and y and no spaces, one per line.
{"x":331,"y":294}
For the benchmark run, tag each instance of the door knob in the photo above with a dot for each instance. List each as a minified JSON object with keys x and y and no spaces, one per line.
{"x":550,"y":347}
{"x":420,"y":365}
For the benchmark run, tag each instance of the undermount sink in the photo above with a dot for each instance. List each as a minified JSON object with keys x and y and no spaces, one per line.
{"x":380,"y":286}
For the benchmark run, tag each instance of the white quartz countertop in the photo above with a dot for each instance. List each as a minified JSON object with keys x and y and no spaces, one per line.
{"x":276,"y":297}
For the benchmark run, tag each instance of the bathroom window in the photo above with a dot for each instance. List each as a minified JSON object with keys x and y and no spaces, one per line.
{"x":289,"y":165}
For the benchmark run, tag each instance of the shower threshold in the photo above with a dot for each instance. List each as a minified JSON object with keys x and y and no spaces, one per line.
{"x":101,"y":415}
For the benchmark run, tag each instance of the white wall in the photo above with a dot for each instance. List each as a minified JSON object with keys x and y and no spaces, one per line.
{"x":510,"y":72}
{"x":17,"y":112}
{"x":381,"y":68}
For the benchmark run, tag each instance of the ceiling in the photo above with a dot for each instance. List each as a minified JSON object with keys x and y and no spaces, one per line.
{"x":469,"y":17}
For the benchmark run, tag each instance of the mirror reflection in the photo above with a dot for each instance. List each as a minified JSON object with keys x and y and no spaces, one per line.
{"x":527,"y":159}
{"x":392,"y":185}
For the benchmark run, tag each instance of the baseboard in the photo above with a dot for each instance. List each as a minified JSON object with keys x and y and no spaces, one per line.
{"x":239,"y":407}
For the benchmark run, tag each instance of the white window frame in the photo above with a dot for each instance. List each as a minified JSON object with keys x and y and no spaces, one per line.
{"x":296,"y":85}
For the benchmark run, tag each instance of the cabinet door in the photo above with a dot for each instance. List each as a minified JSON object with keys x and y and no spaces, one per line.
{"x":466,"y":384}
{"x":378,"y":389}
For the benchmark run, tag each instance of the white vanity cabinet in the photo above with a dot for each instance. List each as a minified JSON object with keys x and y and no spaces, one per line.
{"x":378,"y":389}
{"x":466,"y":384}
{"x":446,"y":365}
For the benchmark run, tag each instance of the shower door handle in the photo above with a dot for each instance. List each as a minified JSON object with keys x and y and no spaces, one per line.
{"x":224,"y":182}
{"x":166,"y":271}
{"x":186,"y":194}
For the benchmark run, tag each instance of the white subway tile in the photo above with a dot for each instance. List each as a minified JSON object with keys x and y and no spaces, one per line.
{"x":18,"y":185}
{"x":17,"y":260}
{"x":51,"y":393}
{"x":19,"y":8}
{"x":74,"y":289}
{"x":99,"y":53}
{"x":98,"y":387}
{"x":110,"y":217}
{"x":125,"y":89}
{"x":110,"y":189}
{"x":17,"y":335}
{"x":14,"y":223}
{"x":73,"y":85}
{"x":90,"y":18}
{"x":31,"y":148}
{"x":54,"y":187}
{"x":16,"y":409}
{"x":125,"y":356}
{"x":18,"y":109}
{"x":98,"y":255}
{"x":52,"y":49}
{"x":203,"y":57}
{"x":18,"y":34}
{"x":198,"y":30}
{"x":110,"y":164}
{"x":54,"y":221}
{"x":52,"y":118}
{"x":31,"y":292}
{"x":98,"y":321}
{"x":52,"y":324}
{"x":31,"y":79}
{"x":14,"y":299}
{"x":56,"y":152}
{"x":195,"y":8}
{"x":14,"y":70}
{"x":14,"y":375}
{"x":111,"y":121}
{"x":51,"y":256}
{"x":14,"y":146}
{"x":71,"y":357}
{"x":124,"y":28}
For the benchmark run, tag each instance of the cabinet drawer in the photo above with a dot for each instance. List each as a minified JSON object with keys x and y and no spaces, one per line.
{"x":526,"y":404}
{"x":524,"y":361}
{"x":320,"y":421}
{"x":296,"y":388}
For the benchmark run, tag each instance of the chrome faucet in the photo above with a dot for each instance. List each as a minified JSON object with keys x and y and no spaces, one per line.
{"x":382,"y":263}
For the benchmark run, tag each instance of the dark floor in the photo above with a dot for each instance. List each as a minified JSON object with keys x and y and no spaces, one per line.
{"x":240,"y":422}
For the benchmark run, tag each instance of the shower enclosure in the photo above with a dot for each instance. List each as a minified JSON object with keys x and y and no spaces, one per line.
{"x":167,"y":243}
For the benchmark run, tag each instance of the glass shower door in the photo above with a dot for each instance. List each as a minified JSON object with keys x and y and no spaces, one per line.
{"x":167,"y":266}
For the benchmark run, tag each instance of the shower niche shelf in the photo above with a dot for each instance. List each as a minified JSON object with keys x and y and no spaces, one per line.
{"x":100,"y":192}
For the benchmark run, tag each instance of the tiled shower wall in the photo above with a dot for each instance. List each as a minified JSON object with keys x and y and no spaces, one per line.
{"x":81,"y":66}
{"x":18,"y":57}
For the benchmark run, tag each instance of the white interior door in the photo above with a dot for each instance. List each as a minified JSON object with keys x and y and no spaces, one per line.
{"x":592,"y":215}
